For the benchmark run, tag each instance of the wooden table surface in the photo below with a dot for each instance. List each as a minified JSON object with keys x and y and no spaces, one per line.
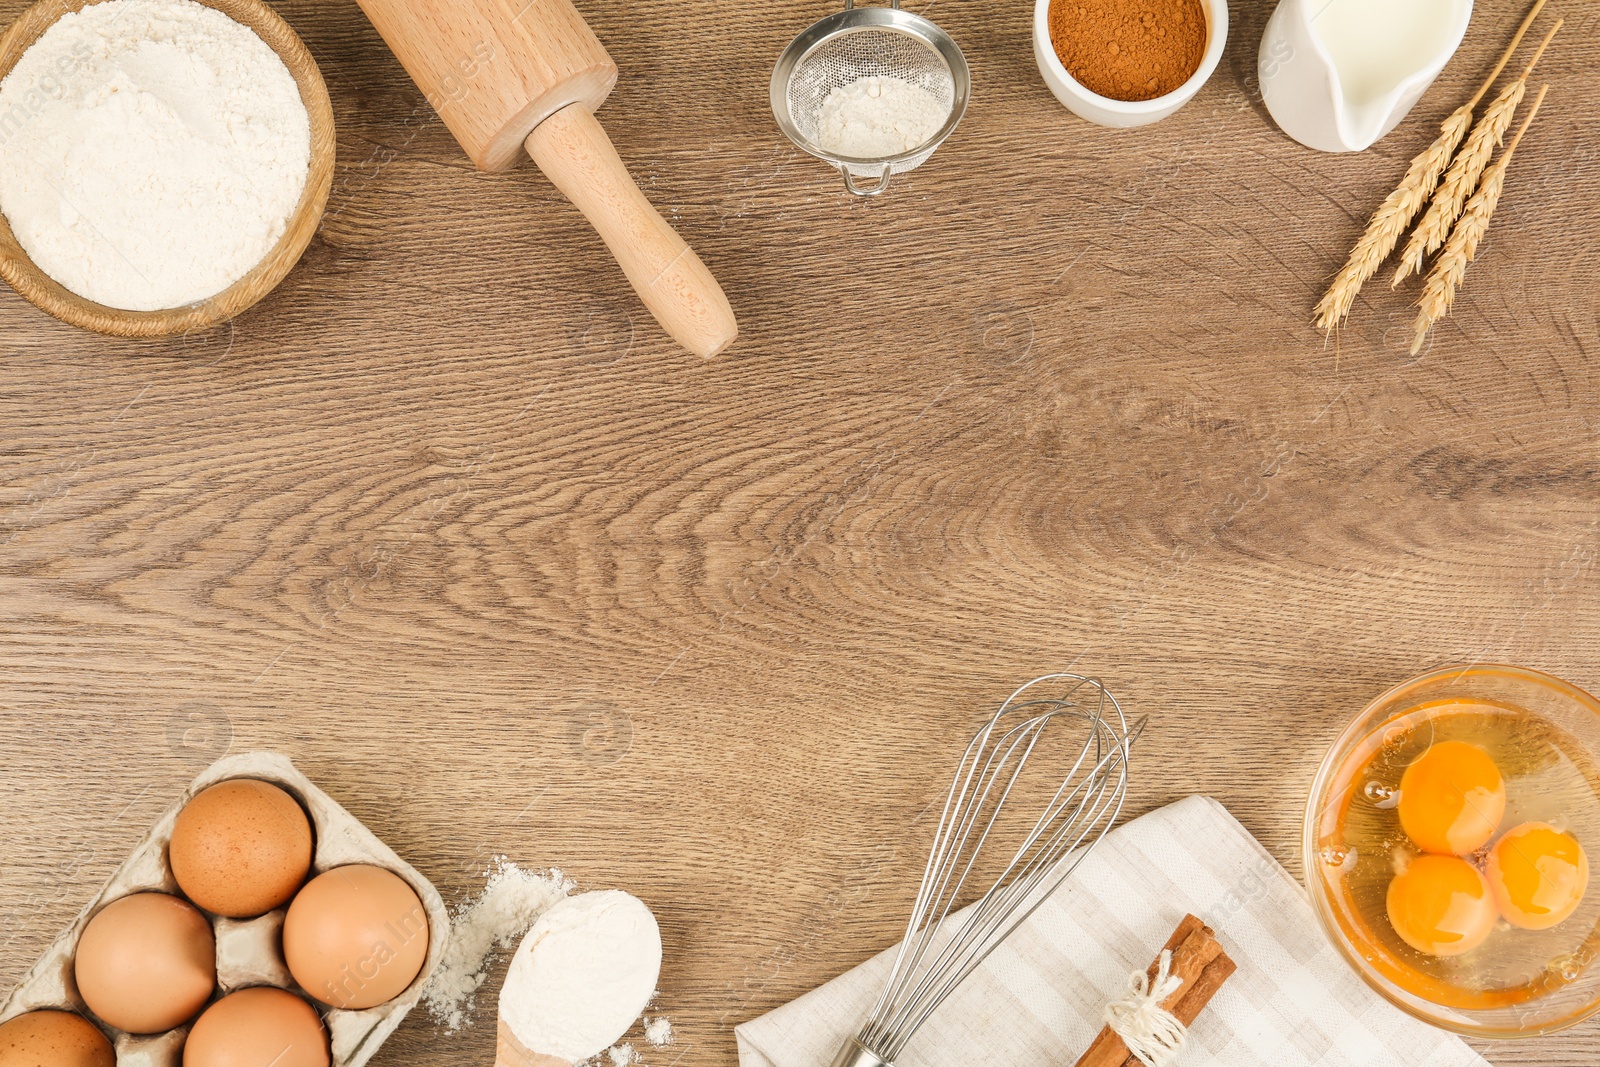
{"x":447,"y":520}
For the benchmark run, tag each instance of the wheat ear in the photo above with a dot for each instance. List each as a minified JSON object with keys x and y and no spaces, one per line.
{"x":1466,"y":171}
{"x":1390,"y":221}
{"x":1397,"y":212}
{"x":1450,"y":270}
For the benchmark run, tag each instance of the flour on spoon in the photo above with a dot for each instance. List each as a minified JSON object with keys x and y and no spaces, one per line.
{"x":582,"y":975}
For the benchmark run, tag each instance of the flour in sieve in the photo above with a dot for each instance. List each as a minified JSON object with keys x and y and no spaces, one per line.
{"x":874,"y":117}
{"x":151,"y":152}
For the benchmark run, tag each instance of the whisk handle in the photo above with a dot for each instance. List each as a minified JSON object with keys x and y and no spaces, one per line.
{"x":572,"y":149}
{"x":855,"y":1054}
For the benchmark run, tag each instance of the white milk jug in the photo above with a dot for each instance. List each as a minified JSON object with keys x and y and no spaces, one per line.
{"x":1338,"y":75}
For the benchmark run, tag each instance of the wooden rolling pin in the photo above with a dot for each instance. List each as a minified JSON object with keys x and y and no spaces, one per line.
{"x":505,"y":75}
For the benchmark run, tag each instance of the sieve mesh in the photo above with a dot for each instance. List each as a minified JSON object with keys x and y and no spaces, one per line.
{"x":870,"y":52}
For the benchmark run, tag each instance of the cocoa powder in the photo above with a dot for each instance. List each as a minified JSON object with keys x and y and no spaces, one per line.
{"x":1129,"y":49}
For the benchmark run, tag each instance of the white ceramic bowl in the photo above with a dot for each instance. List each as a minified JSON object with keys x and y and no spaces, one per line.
{"x":1124,"y":113}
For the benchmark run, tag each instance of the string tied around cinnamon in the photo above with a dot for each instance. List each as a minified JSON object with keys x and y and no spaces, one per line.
{"x":1193,"y":959}
{"x":1153,"y":1035}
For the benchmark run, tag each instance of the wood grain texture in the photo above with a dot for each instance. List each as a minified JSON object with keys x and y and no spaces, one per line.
{"x":448,"y":521}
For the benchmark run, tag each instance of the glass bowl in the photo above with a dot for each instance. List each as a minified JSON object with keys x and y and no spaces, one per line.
{"x":1359,"y":779}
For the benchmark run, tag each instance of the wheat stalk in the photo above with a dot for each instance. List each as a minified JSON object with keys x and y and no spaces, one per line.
{"x":1397,"y":212}
{"x":1450,"y":270}
{"x":1390,"y":221}
{"x":1466,"y":171}
{"x":1505,"y":57}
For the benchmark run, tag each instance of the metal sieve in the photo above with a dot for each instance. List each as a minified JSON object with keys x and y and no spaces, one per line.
{"x":861,"y":42}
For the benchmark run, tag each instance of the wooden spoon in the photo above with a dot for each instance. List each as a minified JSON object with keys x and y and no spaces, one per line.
{"x":573,"y":955}
{"x":508,"y":1052}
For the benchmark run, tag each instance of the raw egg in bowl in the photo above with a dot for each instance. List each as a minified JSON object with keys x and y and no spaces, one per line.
{"x":1447,"y":845}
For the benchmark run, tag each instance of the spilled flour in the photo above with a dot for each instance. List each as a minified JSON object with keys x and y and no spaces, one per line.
{"x":495,"y":920}
{"x":657,"y":1031}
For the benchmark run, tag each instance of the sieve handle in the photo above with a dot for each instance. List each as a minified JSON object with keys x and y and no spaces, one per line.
{"x":875,"y":190}
{"x":850,"y":5}
{"x":572,"y":149}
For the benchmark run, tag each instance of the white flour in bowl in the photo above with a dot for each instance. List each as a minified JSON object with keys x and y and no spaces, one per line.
{"x":151,"y":152}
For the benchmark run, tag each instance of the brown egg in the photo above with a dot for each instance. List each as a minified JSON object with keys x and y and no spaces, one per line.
{"x":241,"y":848}
{"x":146,"y":963}
{"x":258,"y":1028}
{"x":356,"y":937}
{"x":53,"y":1039}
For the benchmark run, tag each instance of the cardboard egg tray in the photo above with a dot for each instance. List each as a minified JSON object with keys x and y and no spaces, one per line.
{"x":249,"y":951}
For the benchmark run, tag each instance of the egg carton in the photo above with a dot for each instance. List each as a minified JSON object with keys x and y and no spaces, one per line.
{"x":249,"y":951}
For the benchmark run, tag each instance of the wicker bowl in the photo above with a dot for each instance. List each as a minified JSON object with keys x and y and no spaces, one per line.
{"x":49,"y":295}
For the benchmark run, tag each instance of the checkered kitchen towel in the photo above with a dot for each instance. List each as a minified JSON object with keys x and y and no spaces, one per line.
{"x":1037,"y":1001}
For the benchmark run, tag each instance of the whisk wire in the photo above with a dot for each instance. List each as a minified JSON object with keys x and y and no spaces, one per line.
{"x":949,"y":845}
{"x":941,"y":949}
{"x":998,"y":915}
{"x":939,"y":892}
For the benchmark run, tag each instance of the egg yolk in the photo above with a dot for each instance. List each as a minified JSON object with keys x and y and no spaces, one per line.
{"x":1452,"y":799}
{"x":1538,"y":875}
{"x":1441,"y":905}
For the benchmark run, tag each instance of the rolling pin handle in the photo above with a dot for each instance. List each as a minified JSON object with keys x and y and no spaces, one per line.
{"x":572,"y":149}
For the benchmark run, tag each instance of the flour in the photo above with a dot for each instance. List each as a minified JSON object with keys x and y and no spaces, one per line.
{"x":582,"y":975}
{"x":584,"y":972}
{"x":151,"y":152}
{"x":658,"y":1031}
{"x":496,"y":919}
{"x":874,"y":117}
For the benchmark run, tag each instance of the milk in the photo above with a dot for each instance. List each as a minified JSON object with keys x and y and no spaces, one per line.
{"x":1337,"y":75}
{"x":1377,"y":44}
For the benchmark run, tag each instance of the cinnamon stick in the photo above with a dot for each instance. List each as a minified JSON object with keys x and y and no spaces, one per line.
{"x":1194,"y":1001}
{"x":1200,"y":965}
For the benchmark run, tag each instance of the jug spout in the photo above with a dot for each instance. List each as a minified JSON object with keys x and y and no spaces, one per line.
{"x":1338,"y":75}
{"x":1363,"y":123}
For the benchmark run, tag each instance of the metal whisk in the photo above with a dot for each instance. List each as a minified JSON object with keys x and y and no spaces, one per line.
{"x":941,"y":950}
